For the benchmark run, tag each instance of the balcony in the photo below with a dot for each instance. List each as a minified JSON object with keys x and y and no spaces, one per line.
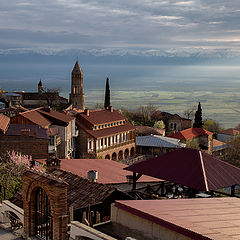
{"x":115,"y":146}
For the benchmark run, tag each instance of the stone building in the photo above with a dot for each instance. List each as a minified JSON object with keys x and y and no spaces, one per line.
{"x":105,"y":134}
{"x":77,"y":97}
{"x":43,"y":98}
{"x":26,"y":139}
{"x":60,"y":128}
{"x":200,"y":136}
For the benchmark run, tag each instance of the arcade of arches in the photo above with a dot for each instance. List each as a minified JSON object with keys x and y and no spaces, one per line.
{"x":122,"y":154}
{"x":45,"y":206}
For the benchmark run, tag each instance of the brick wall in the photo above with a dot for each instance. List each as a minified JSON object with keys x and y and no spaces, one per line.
{"x":37,"y":148}
{"x":57,"y":194}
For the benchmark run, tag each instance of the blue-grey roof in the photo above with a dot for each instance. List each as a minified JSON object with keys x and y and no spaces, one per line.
{"x":221,"y":147}
{"x":158,"y":141}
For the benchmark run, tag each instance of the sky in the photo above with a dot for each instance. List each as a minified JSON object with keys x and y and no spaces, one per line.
{"x":176,"y":27}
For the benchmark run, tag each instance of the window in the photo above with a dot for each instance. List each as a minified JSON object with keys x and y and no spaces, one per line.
{"x":101,"y":141}
{"x":52,"y":141}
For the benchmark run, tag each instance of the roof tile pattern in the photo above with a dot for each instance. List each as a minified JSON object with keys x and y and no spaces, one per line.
{"x":190,"y":133}
{"x":101,"y":116}
{"x":106,"y":131}
{"x":190,"y":167}
{"x":52,"y":115}
{"x":4,"y":122}
{"x":81,"y":191}
{"x":36,"y":118}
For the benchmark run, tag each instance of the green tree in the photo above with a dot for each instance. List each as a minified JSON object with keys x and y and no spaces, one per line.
{"x":192,"y":144}
{"x":232,"y":152}
{"x":198,"y":123}
{"x":212,"y":126}
{"x":107,"y":95}
{"x":159,"y":124}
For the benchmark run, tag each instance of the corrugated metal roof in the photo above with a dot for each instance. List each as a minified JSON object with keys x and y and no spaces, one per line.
{"x":158,"y":141}
{"x":190,"y":167}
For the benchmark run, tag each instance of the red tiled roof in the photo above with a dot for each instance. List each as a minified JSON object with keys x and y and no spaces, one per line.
{"x":190,"y":133}
{"x":231,"y":131}
{"x":81,"y":190}
{"x":106,"y":131}
{"x":4,"y":122}
{"x":109,"y":171}
{"x":101,"y":116}
{"x":36,"y":118}
{"x":190,"y":167}
{"x":51,"y":115}
{"x":209,"y":218}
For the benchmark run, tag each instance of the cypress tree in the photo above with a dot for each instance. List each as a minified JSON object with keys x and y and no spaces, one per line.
{"x":198,"y":123}
{"x":107,"y":95}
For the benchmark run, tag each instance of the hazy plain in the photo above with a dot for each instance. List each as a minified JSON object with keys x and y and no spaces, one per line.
{"x":172,"y":87}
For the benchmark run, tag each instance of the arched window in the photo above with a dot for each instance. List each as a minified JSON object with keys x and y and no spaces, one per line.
{"x":43,"y":216}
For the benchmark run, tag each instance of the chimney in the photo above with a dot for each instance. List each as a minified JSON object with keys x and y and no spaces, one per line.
{"x":53,"y":163}
{"x":92,"y":175}
{"x":25,"y":132}
{"x":87,"y":111}
{"x":110,"y":108}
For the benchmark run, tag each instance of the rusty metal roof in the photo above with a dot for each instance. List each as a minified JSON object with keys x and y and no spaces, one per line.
{"x":190,"y":167}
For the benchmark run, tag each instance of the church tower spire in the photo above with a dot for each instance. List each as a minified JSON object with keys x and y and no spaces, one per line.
{"x":40,"y":87}
{"x":77,"y":97}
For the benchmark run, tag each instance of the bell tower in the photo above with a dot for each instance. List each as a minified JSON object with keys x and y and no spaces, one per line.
{"x":77,"y":97}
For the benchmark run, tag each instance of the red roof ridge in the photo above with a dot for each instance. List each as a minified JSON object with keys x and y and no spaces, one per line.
{"x":204,"y":171}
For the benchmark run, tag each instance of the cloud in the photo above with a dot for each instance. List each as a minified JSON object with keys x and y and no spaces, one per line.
{"x":122,"y":24}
